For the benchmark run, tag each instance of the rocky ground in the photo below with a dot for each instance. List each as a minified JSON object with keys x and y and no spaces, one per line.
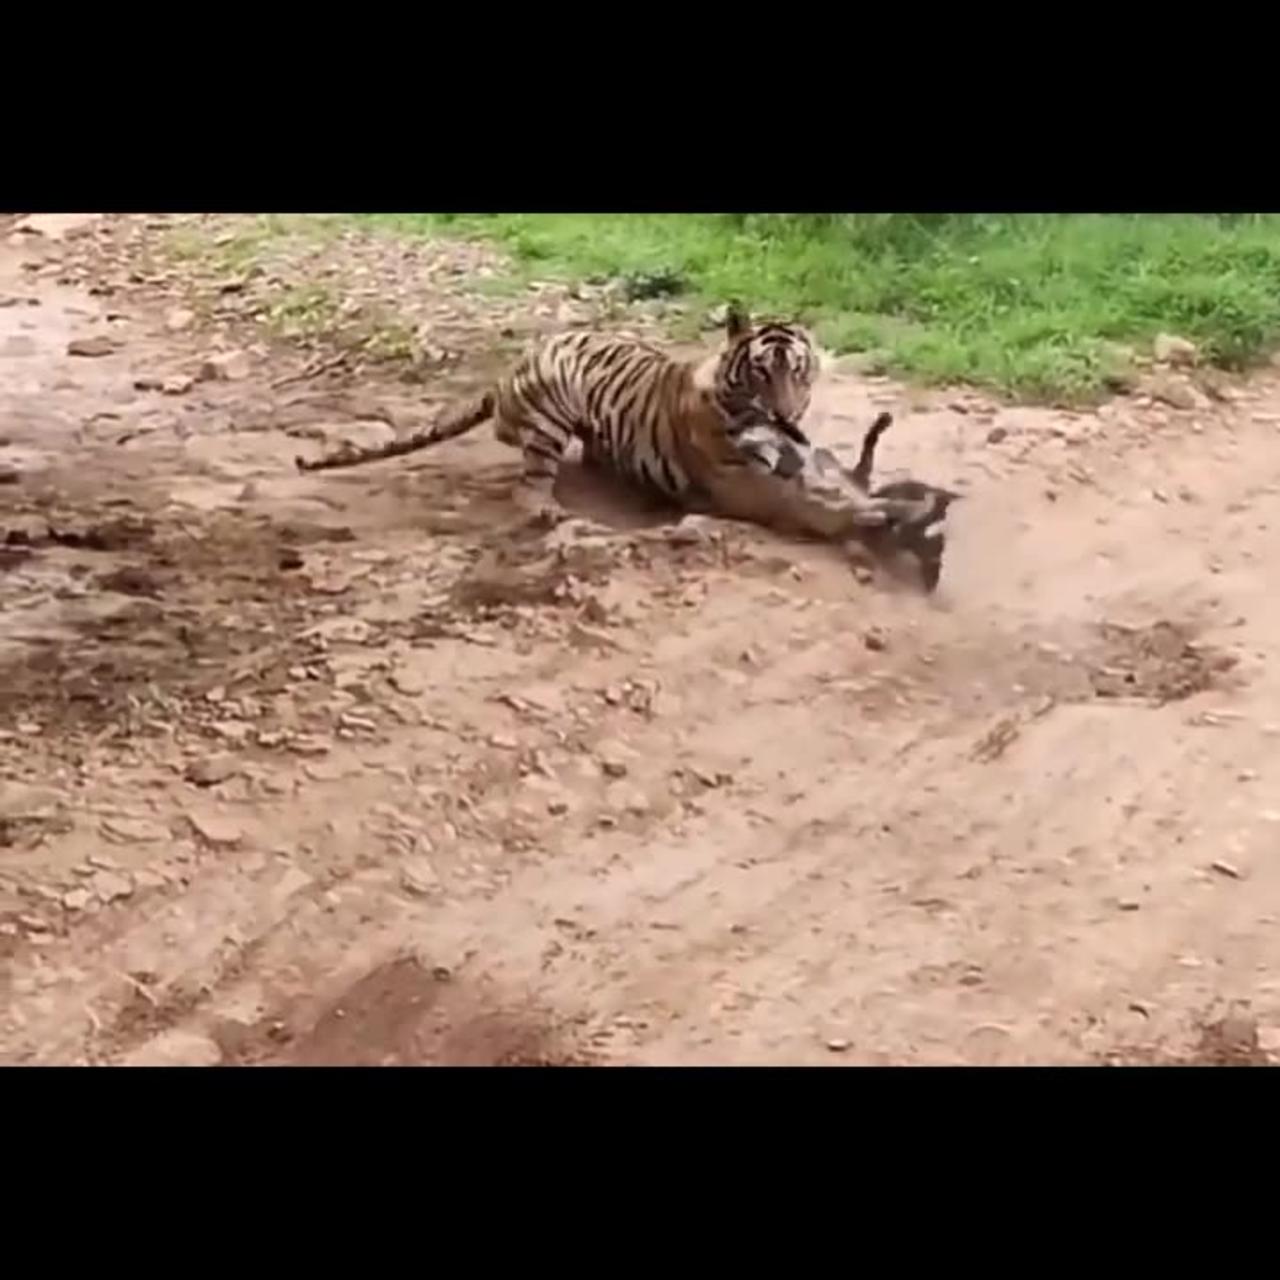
{"x":347,"y":767}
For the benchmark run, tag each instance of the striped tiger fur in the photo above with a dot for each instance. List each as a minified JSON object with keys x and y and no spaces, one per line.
{"x":668,"y":425}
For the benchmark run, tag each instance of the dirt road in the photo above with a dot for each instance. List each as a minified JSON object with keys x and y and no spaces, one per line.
{"x":334,"y":768}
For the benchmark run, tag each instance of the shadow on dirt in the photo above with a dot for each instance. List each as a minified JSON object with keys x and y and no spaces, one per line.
{"x":404,"y":1014}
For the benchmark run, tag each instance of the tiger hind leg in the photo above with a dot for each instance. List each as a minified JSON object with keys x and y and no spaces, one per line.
{"x":542,"y":442}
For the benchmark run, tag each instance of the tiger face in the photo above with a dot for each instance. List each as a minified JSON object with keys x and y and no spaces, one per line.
{"x":766,"y":369}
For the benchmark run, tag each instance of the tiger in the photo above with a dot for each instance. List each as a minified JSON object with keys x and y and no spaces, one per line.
{"x":671,"y":426}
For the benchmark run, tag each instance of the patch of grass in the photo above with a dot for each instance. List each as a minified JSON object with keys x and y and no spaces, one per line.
{"x":389,"y":339}
{"x":242,"y":244}
{"x":1039,"y":306}
{"x":302,"y":312}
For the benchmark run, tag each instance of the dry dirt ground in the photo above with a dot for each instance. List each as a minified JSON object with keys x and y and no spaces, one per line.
{"x":344,"y":768}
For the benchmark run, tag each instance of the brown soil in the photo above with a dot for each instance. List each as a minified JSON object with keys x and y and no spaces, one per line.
{"x":350,"y":767}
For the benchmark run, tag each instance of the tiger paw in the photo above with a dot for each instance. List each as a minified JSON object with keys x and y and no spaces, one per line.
{"x":539,"y":507}
{"x":543,"y":516}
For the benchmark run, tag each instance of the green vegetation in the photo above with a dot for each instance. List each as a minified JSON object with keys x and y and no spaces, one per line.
{"x":1042,"y":306}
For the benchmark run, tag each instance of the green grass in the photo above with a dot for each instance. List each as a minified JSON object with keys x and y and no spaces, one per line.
{"x":1039,"y":306}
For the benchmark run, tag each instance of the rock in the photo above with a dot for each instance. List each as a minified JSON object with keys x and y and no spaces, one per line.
{"x":91,"y":348}
{"x":838,"y":1045}
{"x":130,"y":580}
{"x":110,"y":885}
{"x":56,"y":226}
{"x":9,"y":474}
{"x":419,"y":876}
{"x":1121,"y":381}
{"x":997,"y":434}
{"x":627,"y":798}
{"x":1176,"y":392}
{"x":1169,"y":349}
{"x":77,"y":899}
{"x":1129,"y":904}
{"x":18,"y":801}
{"x":215,"y":829}
{"x":133,"y":830}
{"x":226,"y":366}
{"x":177,"y":386}
{"x":709,"y":779}
{"x":692,"y":530}
{"x":307,"y":744}
{"x":211,"y":770}
{"x":1224,"y":868}
{"x":1217,"y":386}
{"x":234,"y":731}
{"x":875,"y":640}
{"x":327,"y":771}
{"x":178,"y":319}
{"x":613,"y":759}
{"x":408,"y":683}
{"x":504,"y":741}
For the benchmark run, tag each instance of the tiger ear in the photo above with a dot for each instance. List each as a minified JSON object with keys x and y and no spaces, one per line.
{"x":737,"y":323}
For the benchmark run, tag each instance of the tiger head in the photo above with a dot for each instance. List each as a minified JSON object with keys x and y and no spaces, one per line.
{"x":765,"y":369}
